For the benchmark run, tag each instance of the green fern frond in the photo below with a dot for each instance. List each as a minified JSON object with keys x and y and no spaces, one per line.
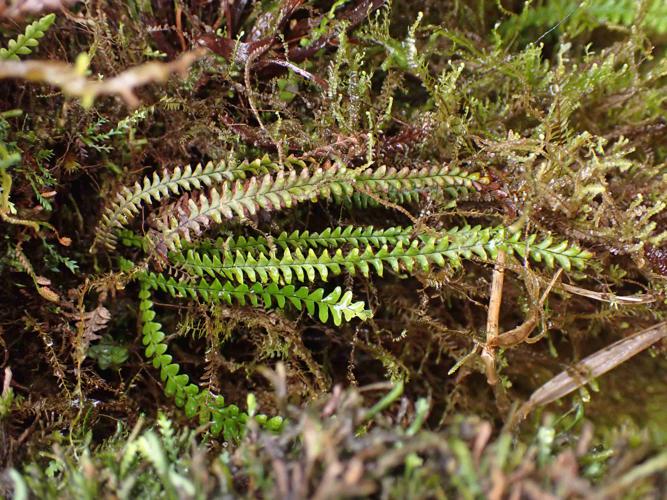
{"x":240,"y":199}
{"x":28,"y":40}
{"x":153,"y":188}
{"x":562,"y":253}
{"x":575,"y":16}
{"x":359,"y":236}
{"x":226,"y":419}
{"x":337,"y":305}
{"x":406,"y":254}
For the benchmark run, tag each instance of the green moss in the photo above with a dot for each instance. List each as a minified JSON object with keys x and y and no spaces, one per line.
{"x":354,"y":157}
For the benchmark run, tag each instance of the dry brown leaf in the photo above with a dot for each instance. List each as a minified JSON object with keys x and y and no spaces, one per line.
{"x":93,"y":322}
{"x":48,"y":294}
{"x":41,"y":280}
{"x":594,"y":366}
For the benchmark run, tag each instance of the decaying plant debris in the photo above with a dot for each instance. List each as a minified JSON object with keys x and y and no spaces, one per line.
{"x":333,"y":248}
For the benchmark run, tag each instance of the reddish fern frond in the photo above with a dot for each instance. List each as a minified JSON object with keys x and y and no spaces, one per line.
{"x":244,"y":198}
{"x":154,"y":187}
{"x":391,"y":180}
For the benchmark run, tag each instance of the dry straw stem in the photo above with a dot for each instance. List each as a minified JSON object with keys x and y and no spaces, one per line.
{"x":610,"y":297}
{"x":594,"y":366}
{"x":492,"y":328}
{"x":70,"y":79}
{"x":642,"y":298}
{"x":521,"y":333}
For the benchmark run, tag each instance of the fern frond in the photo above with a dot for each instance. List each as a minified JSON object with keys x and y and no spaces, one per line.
{"x":153,"y":188}
{"x":336,"y":305}
{"x":28,"y":40}
{"x":282,"y":190}
{"x":575,"y":17}
{"x":406,"y":254}
{"x":209,"y":407}
{"x":240,"y":199}
{"x":552,"y":253}
{"x":398,"y":183}
{"x":359,"y":236}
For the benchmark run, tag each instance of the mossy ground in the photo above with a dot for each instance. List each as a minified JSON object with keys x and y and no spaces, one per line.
{"x":561,"y":104}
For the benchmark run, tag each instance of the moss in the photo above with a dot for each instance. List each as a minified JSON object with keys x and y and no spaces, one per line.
{"x":537,"y":118}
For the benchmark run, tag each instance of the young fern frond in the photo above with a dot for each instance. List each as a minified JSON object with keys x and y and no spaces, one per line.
{"x":406,"y":254}
{"x":28,"y":40}
{"x":337,"y":305}
{"x":226,"y":419}
{"x":153,"y":188}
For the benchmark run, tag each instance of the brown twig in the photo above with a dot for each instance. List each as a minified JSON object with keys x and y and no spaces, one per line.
{"x":522,"y":332}
{"x":251,"y":100}
{"x":73,"y":83}
{"x":517,"y":335}
{"x":179,"y":26}
{"x":609,"y":297}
